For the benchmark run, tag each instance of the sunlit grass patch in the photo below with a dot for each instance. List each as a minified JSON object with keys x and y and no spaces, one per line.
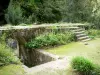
{"x":92,"y":50}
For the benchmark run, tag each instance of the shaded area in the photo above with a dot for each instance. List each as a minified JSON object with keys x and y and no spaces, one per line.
{"x":3,"y":6}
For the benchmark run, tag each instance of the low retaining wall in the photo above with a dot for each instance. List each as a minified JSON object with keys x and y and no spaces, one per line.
{"x":23,"y":34}
{"x":38,"y":57}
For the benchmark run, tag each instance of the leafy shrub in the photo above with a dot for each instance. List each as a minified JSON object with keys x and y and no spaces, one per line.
{"x":14,"y":14}
{"x":51,"y":40}
{"x":82,"y":65}
{"x":43,"y":40}
{"x":93,"y":33}
{"x":6,"y":56}
{"x":66,"y":37}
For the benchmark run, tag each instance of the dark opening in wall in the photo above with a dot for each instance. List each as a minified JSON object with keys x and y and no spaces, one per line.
{"x":38,"y":57}
{"x":3,"y":6}
{"x":33,"y":57}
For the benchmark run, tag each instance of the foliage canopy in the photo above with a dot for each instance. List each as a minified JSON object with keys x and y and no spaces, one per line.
{"x":50,"y":11}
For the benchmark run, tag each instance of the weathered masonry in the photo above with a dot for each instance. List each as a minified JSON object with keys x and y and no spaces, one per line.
{"x":23,"y":34}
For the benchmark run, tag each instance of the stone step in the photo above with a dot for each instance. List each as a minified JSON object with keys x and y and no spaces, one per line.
{"x":80,"y":35}
{"x":83,"y":38}
{"x":77,"y":30}
{"x":80,"y":32}
{"x":86,"y":40}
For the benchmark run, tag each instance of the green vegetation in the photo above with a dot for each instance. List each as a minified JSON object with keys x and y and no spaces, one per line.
{"x":12,"y":70}
{"x":51,"y":39}
{"x":52,"y":11}
{"x":27,"y":12}
{"x":96,"y":71}
{"x":93,"y":33}
{"x":7,"y":56}
{"x":84,"y":66}
{"x":91,"y":51}
{"x":14,"y":14}
{"x":9,"y":62}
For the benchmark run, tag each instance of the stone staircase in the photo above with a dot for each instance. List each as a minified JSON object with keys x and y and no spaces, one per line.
{"x":81,"y":35}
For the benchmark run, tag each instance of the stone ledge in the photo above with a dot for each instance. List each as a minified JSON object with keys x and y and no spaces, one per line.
{"x":70,"y":25}
{"x":55,"y":57}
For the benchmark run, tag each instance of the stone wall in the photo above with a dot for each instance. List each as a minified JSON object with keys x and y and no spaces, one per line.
{"x":38,"y":57}
{"x":23,"y":34}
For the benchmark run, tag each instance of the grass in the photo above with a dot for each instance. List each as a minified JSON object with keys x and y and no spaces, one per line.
{"x":91,"y":51}
{"x":11,"y":70}
{"x":6,"y":58}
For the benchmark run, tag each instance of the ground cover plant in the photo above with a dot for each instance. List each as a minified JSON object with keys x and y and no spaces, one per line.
{"x":51,"y":39}
{"x":92,"y":50}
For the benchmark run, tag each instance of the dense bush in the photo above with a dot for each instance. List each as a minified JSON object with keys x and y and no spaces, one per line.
{"x":51,"y":39}
{"x":7,"y":56}
{"x":83,"y":65}
{"x":93,"y":33}
{"x":14,"y":15}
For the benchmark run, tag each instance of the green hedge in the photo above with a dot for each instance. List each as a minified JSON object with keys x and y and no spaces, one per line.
{"x":51,"y":39}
